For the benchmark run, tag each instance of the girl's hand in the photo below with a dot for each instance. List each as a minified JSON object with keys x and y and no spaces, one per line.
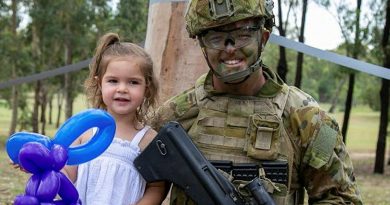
{"x":17,"y":166}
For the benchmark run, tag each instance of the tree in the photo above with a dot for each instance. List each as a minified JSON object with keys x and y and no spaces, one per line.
{"x":74,"y":18}
{"x":41,"y":16}
{"x":298,"y":74}
{"x":47,"y":27}
{"x":14,"y":56}
{"x":351,"y":82}
{"x":384,"y":98}
{"x":178,"y":60}
{"x":15,"y":95}
{"x":282,"y":64}
{"x":131,"y":19}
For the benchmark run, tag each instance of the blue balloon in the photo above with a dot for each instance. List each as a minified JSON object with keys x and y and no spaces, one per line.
{"x":69,"y":132}
{"x":16,"y":141}
{"x":80,"y":123}
{"x":45,"y":158}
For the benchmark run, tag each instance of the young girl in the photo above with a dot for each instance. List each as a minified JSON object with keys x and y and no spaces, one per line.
{"x":121,"y":81}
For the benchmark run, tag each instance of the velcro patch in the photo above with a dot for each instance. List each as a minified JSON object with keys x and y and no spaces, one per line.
{"x":323,"y":146}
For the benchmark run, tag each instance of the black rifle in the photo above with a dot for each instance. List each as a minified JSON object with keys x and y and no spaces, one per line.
{"x":173,"y":157}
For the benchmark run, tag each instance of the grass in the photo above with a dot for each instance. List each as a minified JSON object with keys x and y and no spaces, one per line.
{"x":375,"y":188}
{"x":5,"y":116}
{"x":12,"y":181}
{"x":361,"y":143}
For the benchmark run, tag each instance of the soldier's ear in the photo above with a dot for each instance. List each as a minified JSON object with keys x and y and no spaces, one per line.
{"x":201,"y":44}
{"x":264,"y":37}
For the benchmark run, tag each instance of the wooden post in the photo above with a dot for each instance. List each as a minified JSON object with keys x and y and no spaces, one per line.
{"x":178,"y":59}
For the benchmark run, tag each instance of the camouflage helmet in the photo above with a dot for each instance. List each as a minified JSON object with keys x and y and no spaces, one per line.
{"x":205,"y":14}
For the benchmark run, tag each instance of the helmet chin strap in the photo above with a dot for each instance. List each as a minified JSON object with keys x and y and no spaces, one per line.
{"x":241,"y":74}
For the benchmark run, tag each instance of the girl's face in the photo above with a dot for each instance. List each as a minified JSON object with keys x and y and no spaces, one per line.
{"x":123,"y":86}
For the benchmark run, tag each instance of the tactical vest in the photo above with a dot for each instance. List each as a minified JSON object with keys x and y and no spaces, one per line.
{"x":246,"y":129}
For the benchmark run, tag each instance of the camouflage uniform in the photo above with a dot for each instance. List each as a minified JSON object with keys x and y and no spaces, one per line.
{"x":280,"y":123}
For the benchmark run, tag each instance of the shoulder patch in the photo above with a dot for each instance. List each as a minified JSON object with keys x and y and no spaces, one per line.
{"x":322,"y":146}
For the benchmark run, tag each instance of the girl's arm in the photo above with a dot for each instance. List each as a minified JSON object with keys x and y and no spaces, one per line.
{"x":71,"y":171}
{"x":154,"y":194}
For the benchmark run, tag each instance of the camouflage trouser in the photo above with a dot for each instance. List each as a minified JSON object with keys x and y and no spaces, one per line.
{"x":178,"y":197}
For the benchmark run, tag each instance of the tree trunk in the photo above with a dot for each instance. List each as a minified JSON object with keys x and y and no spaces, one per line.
{"x":282,"y":63}
{"x":381,"y":143}
{"x":15,"y":102}
{"x":68,"y":96}
{"x":59,"y":103}
{"x":178,"y":60}
{"x":50,"y":104}
{"x":14,"y":93}
{"x":336,"y":96}
{"x":68,"y":82}
{"x":36,"y":52}
{"x":384,"y":97}
{"x":348,"y":106}
{"x":43,"y":110}
{"x":34,"y":116}
{"x":351,"y":84}
{"x":298,"y":74}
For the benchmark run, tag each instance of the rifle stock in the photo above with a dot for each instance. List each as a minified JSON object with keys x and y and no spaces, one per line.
{"x":172,"y":157}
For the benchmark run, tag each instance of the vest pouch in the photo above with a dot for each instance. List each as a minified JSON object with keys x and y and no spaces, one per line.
{"x":277,"y":191}
{"x":263,"y":137}
{"x":280,"y":194}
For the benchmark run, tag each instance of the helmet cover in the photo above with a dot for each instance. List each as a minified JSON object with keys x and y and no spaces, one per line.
{"x":206,"y":14}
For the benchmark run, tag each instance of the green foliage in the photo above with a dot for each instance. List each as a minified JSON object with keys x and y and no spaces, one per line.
{"x":369,"y":91}
{"x":319,"y":78}
{"x":3,"y":104}
{"x":131,"y":20}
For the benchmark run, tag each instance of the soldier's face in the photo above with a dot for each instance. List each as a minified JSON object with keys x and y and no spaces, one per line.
{"x":230,"y":55}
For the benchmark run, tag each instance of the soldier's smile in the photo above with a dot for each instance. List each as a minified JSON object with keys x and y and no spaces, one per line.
{"x":234,"y":62}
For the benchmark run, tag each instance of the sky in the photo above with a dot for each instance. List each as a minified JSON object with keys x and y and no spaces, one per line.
{"x":321,"y":30}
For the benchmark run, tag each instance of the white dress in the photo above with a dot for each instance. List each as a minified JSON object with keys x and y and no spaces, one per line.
{"x":112,"y":178}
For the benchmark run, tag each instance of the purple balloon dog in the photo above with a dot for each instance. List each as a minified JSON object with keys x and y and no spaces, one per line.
{"x":45,"y":157}
{"x":47,"y":181}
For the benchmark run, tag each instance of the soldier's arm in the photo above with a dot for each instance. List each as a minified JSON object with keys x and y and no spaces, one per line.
{"x":327,"y":170}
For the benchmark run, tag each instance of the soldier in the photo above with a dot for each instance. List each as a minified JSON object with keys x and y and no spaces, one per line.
{"x":242,"y":111}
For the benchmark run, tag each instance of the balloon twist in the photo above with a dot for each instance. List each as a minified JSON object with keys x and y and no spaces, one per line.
{"x":47,"y":181}
{"x":45,"y":157}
